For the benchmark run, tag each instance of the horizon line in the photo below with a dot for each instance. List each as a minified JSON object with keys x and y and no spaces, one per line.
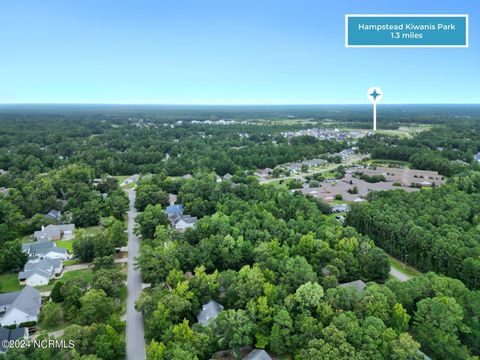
{"x":222,"y":104}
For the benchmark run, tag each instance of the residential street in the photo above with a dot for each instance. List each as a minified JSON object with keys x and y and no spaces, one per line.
{"x":135,"y":331}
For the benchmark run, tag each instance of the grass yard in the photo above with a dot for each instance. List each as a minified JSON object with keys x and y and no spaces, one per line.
{"x":329,"y":174}
{"x":121,"y":178}
{"x":67,"y":244}
{"x":278,"y":185}
{"x":92,"y":230}
{"x":71,"y":262}
{"x":26,"y":239}
{"x":123,"y":299}
{"x":400,"y":266}
{"x":9,"y":282}
{"x":83,"y":273}
{"x":130,"y":186}
{"x":387,"y":162}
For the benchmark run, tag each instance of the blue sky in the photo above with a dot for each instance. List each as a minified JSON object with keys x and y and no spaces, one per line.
{"x":222,"y":52}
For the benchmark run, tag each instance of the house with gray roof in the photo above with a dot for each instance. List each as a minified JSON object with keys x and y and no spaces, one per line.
{"x":340,"y":208}
{"x":357,"y":284}
{"x":174,"y":210}
{"x":53,"y":215}
{"x":40,"y":273}
{"x":44,"y":249}
{"x":22,"y":306}
{"x":209,"y":312}
{"x":130,"y":180}
{"x":183,"y":222}
{"x":55,"y":232}
{"x":257,"y":355}
{"x":11,"y":335}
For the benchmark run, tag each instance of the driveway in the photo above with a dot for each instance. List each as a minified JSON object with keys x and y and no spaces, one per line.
{"x":398,"y":275}
{"x":135,"y":332}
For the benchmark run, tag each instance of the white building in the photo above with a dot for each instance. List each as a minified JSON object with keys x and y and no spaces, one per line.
{"x":40,"y":273}
{"x":20,"y":306}
{"x":184,"y":222}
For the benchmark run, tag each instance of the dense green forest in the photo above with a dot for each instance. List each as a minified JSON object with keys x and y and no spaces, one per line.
{"x":448,"y":149}
{"x":274,"y":261}
{"x":433,"y":230}
{"x":272,"y":258}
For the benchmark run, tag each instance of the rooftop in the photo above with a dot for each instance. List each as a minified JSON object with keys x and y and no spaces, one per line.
{"x":257,"y":355}
{"x":357,"y":284}
{"x":209,"y":312}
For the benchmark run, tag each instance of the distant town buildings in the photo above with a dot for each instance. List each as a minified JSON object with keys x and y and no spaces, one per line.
{"x":325,"y":134}
{"x":211,"y":122}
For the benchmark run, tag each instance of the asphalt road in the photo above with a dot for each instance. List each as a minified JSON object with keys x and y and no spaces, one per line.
{"x":135,"y":331}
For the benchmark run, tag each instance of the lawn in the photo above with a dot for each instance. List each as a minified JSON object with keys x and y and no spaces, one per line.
{"x":400,"y":266}
{"x":83,"y":273}
{"x":67,"y":244}
{"x":9,"y":282}
{"x":329,"y":174}
{"x":121,"y":178}
{"x":92,"y":230}
{"x":123,"y":299}
{"x":278,"y":185}
{"x":387,"y":162}
{"x":130,"y":186}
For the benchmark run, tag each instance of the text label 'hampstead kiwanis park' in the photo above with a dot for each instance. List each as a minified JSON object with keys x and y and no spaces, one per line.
{"x":406,"y":30}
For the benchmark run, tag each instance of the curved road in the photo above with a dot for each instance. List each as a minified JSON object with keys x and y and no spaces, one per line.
{"x":135,"y":331}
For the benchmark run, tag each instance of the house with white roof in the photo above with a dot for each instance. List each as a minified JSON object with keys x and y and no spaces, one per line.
{"x":20,"y":306}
